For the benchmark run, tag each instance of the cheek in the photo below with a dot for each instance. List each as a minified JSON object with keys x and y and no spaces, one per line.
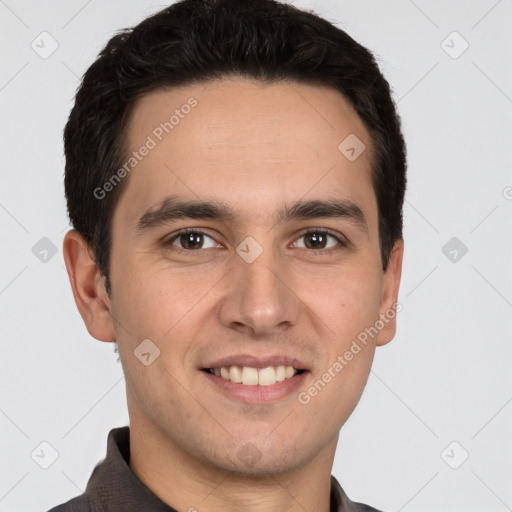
{"x":168,"y":307}
{"x":155,"y":298}
{"x":155,"y":304}
{"x":346,"y":300}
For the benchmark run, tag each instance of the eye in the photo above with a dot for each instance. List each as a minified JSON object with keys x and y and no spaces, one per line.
{"x":191,"y":240}
{"x":319,"y":239}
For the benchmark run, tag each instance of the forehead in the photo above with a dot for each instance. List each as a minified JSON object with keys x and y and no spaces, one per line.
{"x":251,"y":144}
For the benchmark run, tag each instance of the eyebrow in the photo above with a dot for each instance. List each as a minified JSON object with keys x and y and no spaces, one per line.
{"x":173,"y":208}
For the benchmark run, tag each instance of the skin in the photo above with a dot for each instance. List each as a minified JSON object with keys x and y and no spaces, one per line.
{"x":257,"y":148}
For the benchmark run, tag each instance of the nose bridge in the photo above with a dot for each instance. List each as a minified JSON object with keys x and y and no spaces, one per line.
{"x":259,"y":299}
{"x":260,"y":279}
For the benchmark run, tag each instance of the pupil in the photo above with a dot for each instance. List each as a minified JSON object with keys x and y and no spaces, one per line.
{"x":191,"y":240}
{"x":317,"y":239}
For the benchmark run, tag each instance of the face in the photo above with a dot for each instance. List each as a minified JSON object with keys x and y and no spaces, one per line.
{"x":275,"y":264}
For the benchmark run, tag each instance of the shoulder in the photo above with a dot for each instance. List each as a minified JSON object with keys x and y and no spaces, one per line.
{"x":361,"y":507}
{"x":340,"y":502}
{"x":81,"y":503}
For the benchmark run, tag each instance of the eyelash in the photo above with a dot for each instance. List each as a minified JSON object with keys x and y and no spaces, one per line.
{"x":341,"y":242}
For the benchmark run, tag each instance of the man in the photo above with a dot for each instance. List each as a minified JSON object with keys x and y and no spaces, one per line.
{"x":235,"y":174}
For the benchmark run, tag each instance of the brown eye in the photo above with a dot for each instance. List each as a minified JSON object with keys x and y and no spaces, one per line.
{"x":192,"y":240}
{"x":315,"y":240}
{"x":319,"y":240}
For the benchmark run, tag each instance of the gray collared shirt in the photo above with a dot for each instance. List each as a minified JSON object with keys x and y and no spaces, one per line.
{"x":113,"y":487}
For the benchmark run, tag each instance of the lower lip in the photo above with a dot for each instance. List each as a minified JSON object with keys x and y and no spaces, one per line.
{"x":257,"y":394}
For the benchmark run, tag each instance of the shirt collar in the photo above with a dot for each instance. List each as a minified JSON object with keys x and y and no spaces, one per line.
{"x":113,"y":474}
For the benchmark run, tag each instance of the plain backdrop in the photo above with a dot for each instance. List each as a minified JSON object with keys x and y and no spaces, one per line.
{"x":433,"y":428}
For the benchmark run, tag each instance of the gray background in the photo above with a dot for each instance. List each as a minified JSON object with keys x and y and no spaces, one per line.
{"x":445,"y":378}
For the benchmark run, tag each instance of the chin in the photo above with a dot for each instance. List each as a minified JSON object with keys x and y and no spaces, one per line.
{"x":260,"y":459}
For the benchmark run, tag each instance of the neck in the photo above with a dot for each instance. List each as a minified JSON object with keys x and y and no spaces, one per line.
{"x":186,"y":483}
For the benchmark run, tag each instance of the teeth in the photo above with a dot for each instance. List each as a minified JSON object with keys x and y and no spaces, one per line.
{"x":253,"y":376}
{"x":249,"y":376}
{"x":289,"y":372}
{"x":280,"y":373}
{"x":267,"y":376}
{"x":235,"y":374}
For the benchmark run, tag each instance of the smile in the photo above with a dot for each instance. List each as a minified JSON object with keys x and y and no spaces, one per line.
{"x":250,"y":376}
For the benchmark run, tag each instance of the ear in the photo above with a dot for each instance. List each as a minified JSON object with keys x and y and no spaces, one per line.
{"x":88,"y":287}
{"x":389,"y":302}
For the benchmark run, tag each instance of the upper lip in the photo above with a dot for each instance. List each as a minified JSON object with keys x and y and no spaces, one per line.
{"x":257,"y":361}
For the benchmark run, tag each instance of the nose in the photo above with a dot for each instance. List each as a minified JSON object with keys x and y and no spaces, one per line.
{"x":260,"y":300}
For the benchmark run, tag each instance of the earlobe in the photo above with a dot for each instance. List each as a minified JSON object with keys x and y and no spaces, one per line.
{"x":389,"y":301}
{"x":88,"y":287}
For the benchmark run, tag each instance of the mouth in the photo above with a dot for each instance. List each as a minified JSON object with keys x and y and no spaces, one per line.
{"x":252,"y":376}
{"x":254,"y":379}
